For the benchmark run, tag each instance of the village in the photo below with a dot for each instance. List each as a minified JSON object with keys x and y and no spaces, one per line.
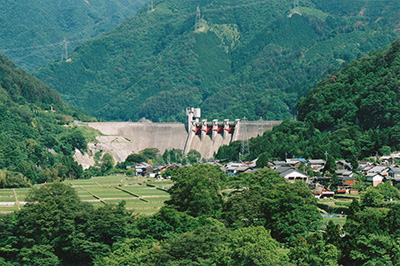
{"x":340,"y":178}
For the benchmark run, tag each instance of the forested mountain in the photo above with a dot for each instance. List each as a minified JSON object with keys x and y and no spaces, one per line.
{"x":36,"y":136}
{"x":352,"y":114}
{"x":365,"y":94}
{"x":242,"y":58}
{"x":32,"y":31}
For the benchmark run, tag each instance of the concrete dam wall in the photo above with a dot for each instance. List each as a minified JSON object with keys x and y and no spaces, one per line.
{"x":121,"y":139}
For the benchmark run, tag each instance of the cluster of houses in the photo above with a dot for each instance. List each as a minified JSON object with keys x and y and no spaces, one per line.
{"x":152,"y":171}
{"x":309,"y":171}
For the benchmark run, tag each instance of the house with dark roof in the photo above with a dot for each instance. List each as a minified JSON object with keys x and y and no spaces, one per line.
{"x":345,"y":177}
{"x":233,"y":168}
{"x":383,"y":170}
{"x":316,"y":164}
{"x":295,"y":162}
{"x":342,"y":164}
{"x":394,"y":175}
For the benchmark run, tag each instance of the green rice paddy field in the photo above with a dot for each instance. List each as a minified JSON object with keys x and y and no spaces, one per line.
{"x":140,"y":194}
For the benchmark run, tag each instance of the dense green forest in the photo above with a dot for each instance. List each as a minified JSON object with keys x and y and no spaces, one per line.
{"x":352,"y":114}
{"x":32,"y":31}
{"x":247,"y":59}
{"x":37,"y":136}
{"x":251,"y":219}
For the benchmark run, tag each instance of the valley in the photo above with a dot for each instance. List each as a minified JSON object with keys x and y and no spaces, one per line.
{"x":107,"y":159}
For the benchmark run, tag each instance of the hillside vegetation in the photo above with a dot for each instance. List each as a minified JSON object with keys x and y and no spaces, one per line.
{"x":352,"y":114}
{"x":36,"y":137}
{"x":32,"y":31}
{"x":247,"y":59}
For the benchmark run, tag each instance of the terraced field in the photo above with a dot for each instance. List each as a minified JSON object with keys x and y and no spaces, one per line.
{"x":140,"y":194}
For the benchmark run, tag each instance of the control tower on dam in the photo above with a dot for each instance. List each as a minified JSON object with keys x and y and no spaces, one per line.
{"x":121,"y":139}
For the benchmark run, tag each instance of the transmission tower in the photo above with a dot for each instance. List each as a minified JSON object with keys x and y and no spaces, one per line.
{"x":244,"y":149}
{"x":261,"y":127}
{"x":150,"y":6}
{"x":198,"y":24}
{"x":296,"y":8}
{"x":64,"y":53}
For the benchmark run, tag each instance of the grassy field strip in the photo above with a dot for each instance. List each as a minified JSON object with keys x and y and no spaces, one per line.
{"x":94,"y":195}
{"x":139,"y":195}
{"x":126,"y":191}
{"x":158,"y":199}
{"x":8,"y":201}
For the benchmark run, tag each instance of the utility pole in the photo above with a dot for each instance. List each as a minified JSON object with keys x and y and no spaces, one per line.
{"x":198,"y":19}
{"x":244,"y":149}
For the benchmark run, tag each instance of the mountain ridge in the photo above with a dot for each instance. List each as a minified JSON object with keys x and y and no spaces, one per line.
{"x":37,"y":137}
{"x":249,"y":60}
{"x":33,"y":31}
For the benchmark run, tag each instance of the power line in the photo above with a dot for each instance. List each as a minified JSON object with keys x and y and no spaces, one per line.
{"x":162,"y":23}
{"x":36,"y":47}
{"x":187,"y":16}
{"x":70,"y":37}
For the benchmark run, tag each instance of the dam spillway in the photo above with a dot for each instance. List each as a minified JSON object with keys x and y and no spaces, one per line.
{"x":121,"y":139}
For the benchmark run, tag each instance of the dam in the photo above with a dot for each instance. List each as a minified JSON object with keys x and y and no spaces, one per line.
{"x":121,"y":139}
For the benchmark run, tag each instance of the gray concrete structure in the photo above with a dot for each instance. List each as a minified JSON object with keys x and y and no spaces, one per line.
{"x":121,"y":139}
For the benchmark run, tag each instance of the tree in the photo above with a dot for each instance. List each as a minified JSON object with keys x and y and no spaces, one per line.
{"x":332,"y":234}
{"x":107,"y":163}
{"x":330,"y":165}
{"x":244,"y":209}
{"x":168,"y":223}
{"x":10,"y":179}
{"x":130,"y":251}
{"x":55,"y":222}
{"x":39,"y":255}
{"x":150,"y":153}
{"x":372,"y":198}
{"x":48,"y":218}
{"x":262,"y":160}
{"x":366,"y":236}
{"x":193,"y":156}
{"x":313,"y":251}
{"x":353,"y":209}
{"x":388,"y":191}
{"x":290,"y":211}
{"x":287,"y":209}
{"x":204,"y":246}
{"x":197,"y":190}
{"x":252,"y":246}
{"x":135,"y":158}
{"x":69,"y":169}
